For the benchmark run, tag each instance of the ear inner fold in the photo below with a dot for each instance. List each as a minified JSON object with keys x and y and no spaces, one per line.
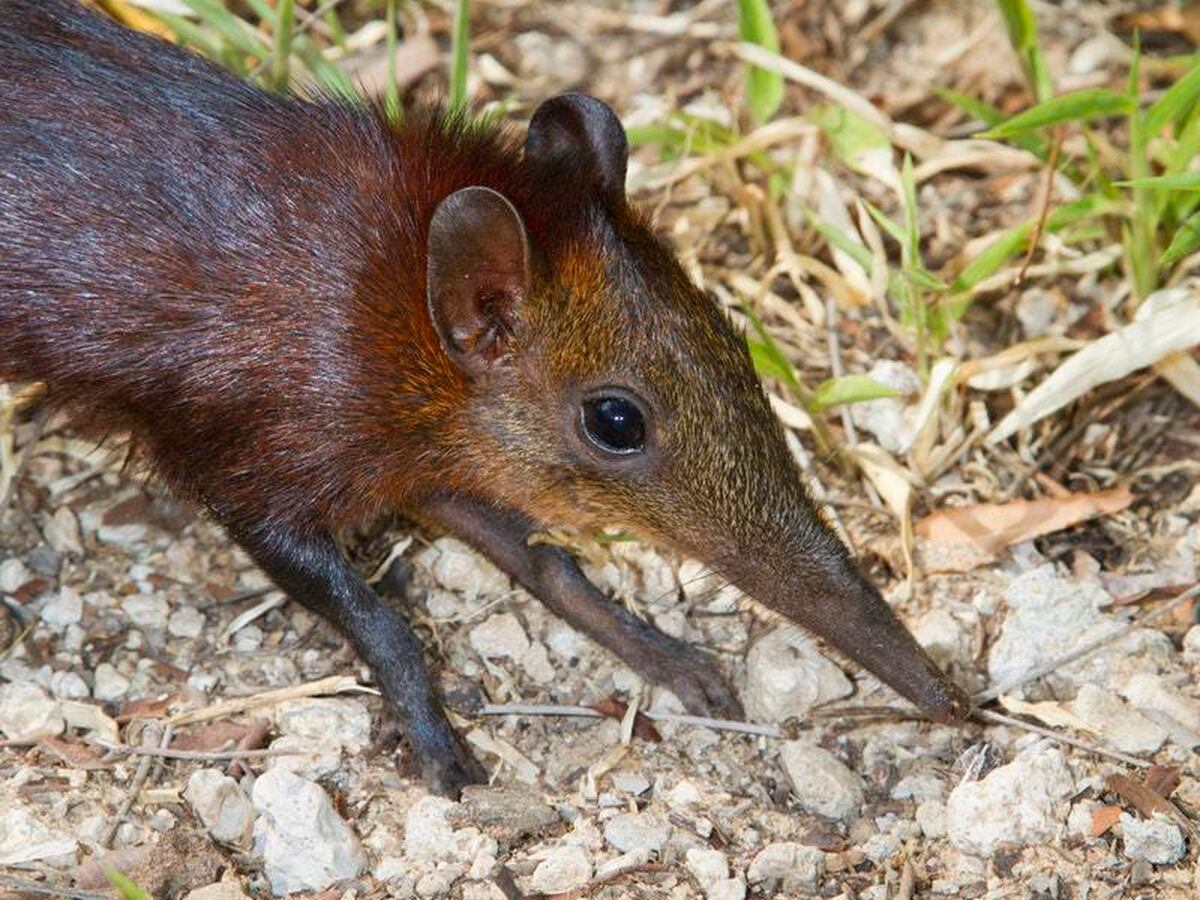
{"x":477,"y":275}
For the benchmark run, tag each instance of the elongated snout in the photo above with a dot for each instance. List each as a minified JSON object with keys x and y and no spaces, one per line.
{"x":841,"y":607}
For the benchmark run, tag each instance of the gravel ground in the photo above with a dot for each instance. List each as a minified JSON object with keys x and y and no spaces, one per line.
{"x":128,"y":619}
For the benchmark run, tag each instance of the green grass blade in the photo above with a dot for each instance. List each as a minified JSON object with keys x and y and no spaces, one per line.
{"x":1185,"y":241}
{"x":1177,"y":181}
{"x":391,"y":89}
{"x":1013,"y":241}
{"x":460,"y":51}
{"x":238,"y":33}
{"x":1173,"y":105}
{"x":1097,"y":103}
{"x":991,"y":116}
{"x":125,"y":886}
{"x":849,"y":389}
{"x":281,"y":57}
{"x":1023,"y":35}
{"x":764,"y":88}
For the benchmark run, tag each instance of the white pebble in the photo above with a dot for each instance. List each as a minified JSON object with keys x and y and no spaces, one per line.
{"x":500,"y":636}
{"x":186,"y":622}
{"x":304,"y":844}
{"x":1158,"y":840}
{"x":787,"y":676}
{"x":707,"y":866}
{"x":13,"y":574}
{"x":794,"y":866}
{"x":1013,"y":806}
{"x":221,"y":805}
{"x":1122,"y":728}
{"x":823,"y":783}
{"x":146,"y":610}
{"x":636,"y":831}
{"x":24,"y":839}
{"x":931,"y":817}
{"x":62,"y":532}
{"x":68,"y":686}
{"x":563,"y":869}
{"x":326,"y":720}
{"x":108,"y":683}
{"x":26,"y":711}
{"x":62,"y":610}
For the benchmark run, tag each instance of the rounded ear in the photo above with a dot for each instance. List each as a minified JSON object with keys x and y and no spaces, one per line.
{"x":476,"y":276}
{"x":582,"y":135}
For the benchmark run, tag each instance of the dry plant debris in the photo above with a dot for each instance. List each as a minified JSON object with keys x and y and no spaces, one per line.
{"x":1022,"y":474}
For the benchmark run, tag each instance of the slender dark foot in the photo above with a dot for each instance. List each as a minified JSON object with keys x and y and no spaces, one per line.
{"x":446,"y":772}
{"x":313,"y":572}
{"x":552,"y":575}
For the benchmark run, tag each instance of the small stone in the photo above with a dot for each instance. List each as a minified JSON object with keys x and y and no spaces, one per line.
{"x":728,"y":889}
{"x":68,"y":686}
{"x":62,"y":610}
{"x":628,"y":832}
{"x":536,"y":663}
{"x":943,"y":637}
{"x":304,"y":844}
{"x":306,"y":758}
{"x":108,"y":683}
{"x":326,"y":720}
{"x":62,"y":532}
{"x":684,"y":794}
{"x":631,"y":860}
{"x":146,"y":610}
{"x":1123,"y":728}
{"x":1153,"y":694}
{"x":707,"y":866}
{"x":1191,"y":643}
{"x":186,"y":622}
{"x":543,"y":56}
{"x":931,"y":817}
{"x":223,"y":890}
{"x":509,"y":812}
{"x":500,"y":636}
{"x":13,"y":574}
{"x":1158,"y":840}
{"x":122,"y":535}
{"x":456,"y":567}
{"x":793,"y":866}
{"x":786,"y":676}
{"x":429,"y":836}
{"x":26,"y":711}
{"x":24,"y":839}
{"x":630,"y":782}
{"x":45,"y":561}
{"x":822,"y":782}
{"x":563,"y":869}
{"x":1013,"y":806}
{"x":221,"y":805}
{"x":1050,"y":615}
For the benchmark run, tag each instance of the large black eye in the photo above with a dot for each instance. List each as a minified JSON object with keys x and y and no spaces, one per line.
{"x":614,"y":424}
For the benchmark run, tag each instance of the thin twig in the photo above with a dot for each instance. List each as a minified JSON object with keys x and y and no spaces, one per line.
{"x":139,"y":779}
{"x":995,"y":718}
{"x":36,"y":887}
{"x":201,"y":755}
{"x":1036,"y":237}
{"x":586,"y":712}
{"x":1005,"y":687}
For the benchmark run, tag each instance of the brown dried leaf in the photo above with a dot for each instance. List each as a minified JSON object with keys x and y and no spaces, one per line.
{"x":1104,"y":818}
{"x":146,"y":708}
{"x":988,"y":528}
{"x":73,"y":755}
{"x":1146,"y":801}
{"x":215,"y":736}
{"x":643,"y":728}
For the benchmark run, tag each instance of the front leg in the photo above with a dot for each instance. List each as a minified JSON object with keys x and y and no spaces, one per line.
{"x":552,"y":575}
{"x":313,"y":571}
